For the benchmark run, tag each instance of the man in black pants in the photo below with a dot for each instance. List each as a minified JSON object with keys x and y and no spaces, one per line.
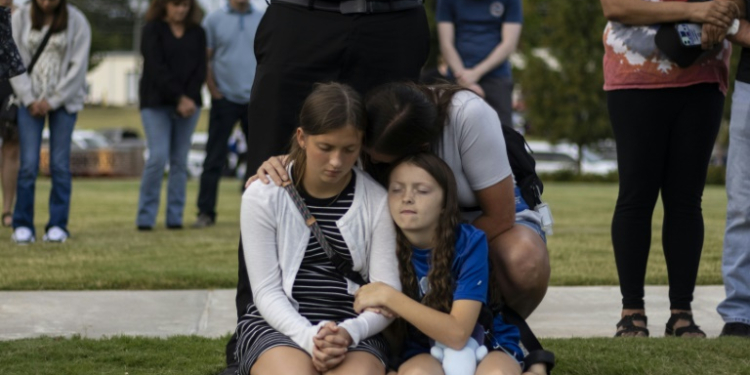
{"x":363,"y":43}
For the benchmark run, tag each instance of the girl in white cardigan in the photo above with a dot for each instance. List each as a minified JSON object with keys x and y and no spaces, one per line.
{"x":55,"y":90}
{"x":302,"y":320}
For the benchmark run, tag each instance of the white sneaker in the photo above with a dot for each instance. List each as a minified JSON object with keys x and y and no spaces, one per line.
{"x":22,"y":236}
{"x":55,"y":234}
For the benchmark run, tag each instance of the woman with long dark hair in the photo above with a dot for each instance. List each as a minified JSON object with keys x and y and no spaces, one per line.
{"x":464,"y":131}
{"x":54,"y":91}
{"x":174,"y":68}
{"x":302,"y":320}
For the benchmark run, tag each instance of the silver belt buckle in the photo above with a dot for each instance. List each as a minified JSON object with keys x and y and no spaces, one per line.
{"x":353,"y":6}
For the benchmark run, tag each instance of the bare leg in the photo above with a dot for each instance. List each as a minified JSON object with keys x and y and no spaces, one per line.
{"x":498,"y":363}
{"x":10,"y":166}
{"x":422,"y":364}
{"x":283,"y":360}
{"x":521,"y":265}
{"x":359,"y":363}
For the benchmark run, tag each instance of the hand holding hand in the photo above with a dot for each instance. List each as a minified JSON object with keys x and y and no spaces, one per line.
{"x":271,"y":169}
{"x":718,"y":13}
{"x":712,"y":35}
{"x":186,"y":107}
{"x":38,"y":108}
{"x":468,"y":77}
{"x":44,"y":107}
{"x":331,"y":345}
{"x":372,"y":295}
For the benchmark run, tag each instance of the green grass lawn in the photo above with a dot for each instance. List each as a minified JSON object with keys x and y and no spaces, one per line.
{"x":106,"y":252}
{"x":96,"y":118}
{"x":201,"y":356}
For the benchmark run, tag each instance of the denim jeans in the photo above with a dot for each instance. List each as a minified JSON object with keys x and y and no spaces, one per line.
{"x":61,"y":124}
{"x":168,"y":136}
{"x":736,"y":261}
{"x":224,"y":115}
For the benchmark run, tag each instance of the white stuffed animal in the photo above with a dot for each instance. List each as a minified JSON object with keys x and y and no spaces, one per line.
{"x":459,"y":362}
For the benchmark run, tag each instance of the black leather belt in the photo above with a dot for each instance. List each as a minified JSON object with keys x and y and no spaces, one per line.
{"x":355,"y":6}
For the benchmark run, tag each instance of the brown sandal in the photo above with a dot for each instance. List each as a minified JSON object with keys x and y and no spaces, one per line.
{"x":678,"y":332}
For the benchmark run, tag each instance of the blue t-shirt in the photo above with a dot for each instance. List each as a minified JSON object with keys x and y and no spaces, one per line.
{"x":479,"y":28}
{"x":231,"y":35}
{"x":470,"y":271}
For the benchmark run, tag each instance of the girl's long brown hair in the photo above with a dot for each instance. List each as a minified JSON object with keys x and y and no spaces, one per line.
{"x":440,"y":280}
{"x":330,"y":106}
{"x":158,"y":10}
{"x":61,"y":17}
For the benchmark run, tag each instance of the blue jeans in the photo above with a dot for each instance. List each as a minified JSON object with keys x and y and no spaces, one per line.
{"x":168,"y":136}
{"x":736,"y":261}
{"x":61,"y":124}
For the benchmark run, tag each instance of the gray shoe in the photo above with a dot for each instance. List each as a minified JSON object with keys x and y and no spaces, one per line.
{"x":203,"y":221}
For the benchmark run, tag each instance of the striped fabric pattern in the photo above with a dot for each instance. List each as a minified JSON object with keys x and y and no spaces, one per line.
{"x":320,"y":290}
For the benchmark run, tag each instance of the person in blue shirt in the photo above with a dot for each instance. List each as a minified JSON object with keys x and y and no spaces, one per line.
{"x":230,"y":35}
{"x":476,"y":39}
{"x":444,"y":271}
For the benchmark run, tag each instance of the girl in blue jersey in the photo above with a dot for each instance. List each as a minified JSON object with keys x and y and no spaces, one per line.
{"x":444,"y":271}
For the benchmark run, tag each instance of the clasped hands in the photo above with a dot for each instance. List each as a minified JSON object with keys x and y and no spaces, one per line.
{"x":717,"y":16}
{"x":468,"y":78}
{"x":330,"y":347}
{"x":331,"y":343}
{"x":186,"y":107}
{"x":39,"y":108}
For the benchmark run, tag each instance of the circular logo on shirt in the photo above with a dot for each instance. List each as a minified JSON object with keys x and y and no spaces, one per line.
{"x":497,"y":9}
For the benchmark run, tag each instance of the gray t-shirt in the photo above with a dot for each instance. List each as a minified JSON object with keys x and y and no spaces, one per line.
{"x":473,"y":146}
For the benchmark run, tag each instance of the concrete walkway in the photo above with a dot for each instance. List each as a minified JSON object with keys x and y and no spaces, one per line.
{"x":565,"y":312}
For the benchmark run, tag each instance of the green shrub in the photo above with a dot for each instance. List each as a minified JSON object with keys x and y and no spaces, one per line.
{"x":716,"y":175}
{"x":571,"y":176}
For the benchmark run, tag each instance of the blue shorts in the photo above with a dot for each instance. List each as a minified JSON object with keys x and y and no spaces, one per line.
{"x":533,"y":226}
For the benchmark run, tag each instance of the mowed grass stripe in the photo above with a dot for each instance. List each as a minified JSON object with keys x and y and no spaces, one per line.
{"x":106,"y":252}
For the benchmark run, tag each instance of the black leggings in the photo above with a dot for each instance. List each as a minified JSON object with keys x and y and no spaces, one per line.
{"x":664,"y":141}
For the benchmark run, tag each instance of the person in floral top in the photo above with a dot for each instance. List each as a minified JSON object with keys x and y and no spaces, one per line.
{"x":10,"y":61}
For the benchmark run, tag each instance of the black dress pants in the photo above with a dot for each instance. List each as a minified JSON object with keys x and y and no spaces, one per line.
{"x":224,"y":115}
{"x":297,"y":47}
{"x":664,"y":141}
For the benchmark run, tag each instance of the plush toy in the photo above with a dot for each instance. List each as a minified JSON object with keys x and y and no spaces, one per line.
{"x":460,"y":362}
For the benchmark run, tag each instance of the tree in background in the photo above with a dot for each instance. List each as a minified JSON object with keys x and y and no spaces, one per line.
{"x":562,"y":81}
{"x":111,"y":24}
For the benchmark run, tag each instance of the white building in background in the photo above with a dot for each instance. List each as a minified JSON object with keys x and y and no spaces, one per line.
{"x":114,"y":80}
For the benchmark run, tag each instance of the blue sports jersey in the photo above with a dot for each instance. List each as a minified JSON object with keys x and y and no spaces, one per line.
{"x":470,"y":271}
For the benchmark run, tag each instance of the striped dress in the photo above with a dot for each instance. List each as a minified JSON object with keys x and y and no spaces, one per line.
{"x":319,"y":289}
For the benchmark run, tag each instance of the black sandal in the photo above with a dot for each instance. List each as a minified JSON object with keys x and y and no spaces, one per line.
{"x":626,"y":326}
{"x":5,"y":216}
{"x":678,"y":332}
